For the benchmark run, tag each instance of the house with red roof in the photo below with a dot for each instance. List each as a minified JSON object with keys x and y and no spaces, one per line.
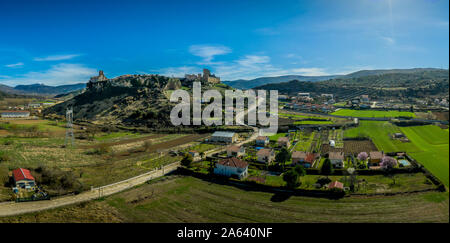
{"x":232,"y":167}
{"x":336,"y":184}
{"x":23,"y":178}
{"x":309,"y":160}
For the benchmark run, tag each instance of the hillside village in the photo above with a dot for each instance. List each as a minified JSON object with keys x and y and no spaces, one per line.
{"x":326,"y":146}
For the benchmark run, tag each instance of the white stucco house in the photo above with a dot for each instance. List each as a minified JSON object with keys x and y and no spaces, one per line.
{"x":336,"y":159}
{"x":232,"y":167}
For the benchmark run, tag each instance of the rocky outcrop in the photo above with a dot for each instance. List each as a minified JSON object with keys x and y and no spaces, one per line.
{"x":133,"y":100}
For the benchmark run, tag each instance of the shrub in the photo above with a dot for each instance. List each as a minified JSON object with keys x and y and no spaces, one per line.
{"x":3,"y":156}
{"x":187,"y":160}
{"x":147,"y":145}
{"x":102,"y":149}
{"x":323,"y":181}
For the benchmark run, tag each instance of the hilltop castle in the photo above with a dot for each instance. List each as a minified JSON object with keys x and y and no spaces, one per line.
{"x":100,"y":77}
{"x":206,"y":78}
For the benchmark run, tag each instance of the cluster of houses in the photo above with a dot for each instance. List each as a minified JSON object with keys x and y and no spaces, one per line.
{"x":233,"y":165}
{"x":24,"y":111}
{"x":15,"y":114}
{"x":302,"y":106}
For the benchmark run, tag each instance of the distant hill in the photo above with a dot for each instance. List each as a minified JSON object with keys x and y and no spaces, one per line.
{"x":363,"y":73}
{"x":248,"y":84}
{"x":385,"y":83}
{"x":42,"y":89}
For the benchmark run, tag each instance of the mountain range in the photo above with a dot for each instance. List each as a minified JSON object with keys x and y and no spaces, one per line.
{"x":249,"y":84}
{"x":41,"y":89}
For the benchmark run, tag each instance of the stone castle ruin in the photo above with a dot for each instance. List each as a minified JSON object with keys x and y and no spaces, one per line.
{"x":206,"y":78}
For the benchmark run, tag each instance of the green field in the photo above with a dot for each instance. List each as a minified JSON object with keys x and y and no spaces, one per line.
{"x":276,"y":136}
{"x":372,"y":113}
{"x":312,"y":122}
{"x":428,"y":144}
{"x":188,"y":199}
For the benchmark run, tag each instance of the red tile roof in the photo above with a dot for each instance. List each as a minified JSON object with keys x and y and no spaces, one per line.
{"x":262,"y":138}
{"x":310,"y":158}
{"x":336,"y":184}
{"x":22,"y":174}
{"x":233,"y":162}
{"x":264,"y":152}
{"x":234,"y":148}
{"x":375,"y":155}
{"x":299,"y":155}
{"x":336,"y":155}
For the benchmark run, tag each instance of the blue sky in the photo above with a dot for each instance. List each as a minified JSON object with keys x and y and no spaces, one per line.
{"x":63,"y":42}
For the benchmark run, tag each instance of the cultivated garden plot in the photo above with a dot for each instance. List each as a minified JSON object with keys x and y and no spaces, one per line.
{"x":432,"y":153}
{"x":373,"y":113}
{"x":99,"y":159}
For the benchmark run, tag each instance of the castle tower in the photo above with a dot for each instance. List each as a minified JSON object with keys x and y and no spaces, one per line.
{"x":206,"y":74}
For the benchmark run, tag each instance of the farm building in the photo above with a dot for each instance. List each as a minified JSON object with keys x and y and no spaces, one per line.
{"x":283,"y":142}
{"x":235,"y":151}
{"x":336,"y":184}
{"x":265,"y":156}
{"x":298,"y":157}
{"x":375,"y":157}
{"x":193,"y":153}
{"x":232,"y":167}
{"x":336,"y":159}
{"x":332,"y":143}
{"x":262,"y":141}
{"x":34,"y":105}
{"x":224,"y":137}
{"x":15,"y":114}
{"x":23,"y":178}
{"x":304,"y":95}
{"x":365,"y":98}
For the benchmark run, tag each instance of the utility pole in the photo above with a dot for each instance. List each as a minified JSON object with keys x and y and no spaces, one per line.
{"x":69,"y":126}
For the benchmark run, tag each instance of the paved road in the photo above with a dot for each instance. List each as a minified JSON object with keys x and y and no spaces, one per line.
{"x":13,"y":208}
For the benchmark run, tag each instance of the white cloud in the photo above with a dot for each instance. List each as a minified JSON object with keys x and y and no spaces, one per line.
{"x":251,"y":60}
{"x":388,"y":40}
{"x":59,"y":74}
{"x":207,"y":52}
{"x":253,"y":66}
{"x":178,"y":71}
{"x":15,"y":65}
{"x":56,"y":57}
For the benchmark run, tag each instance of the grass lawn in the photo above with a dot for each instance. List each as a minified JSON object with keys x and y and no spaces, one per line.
{"x":276,"y":136}
{"x":304,"y":142}
{"x":372,"y":113}
{"x":288,"y":115}
{"x":435,"y":152}
{"x":188,"y":199}
{"x":427,"y":145}
{"x":42,"y":125}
